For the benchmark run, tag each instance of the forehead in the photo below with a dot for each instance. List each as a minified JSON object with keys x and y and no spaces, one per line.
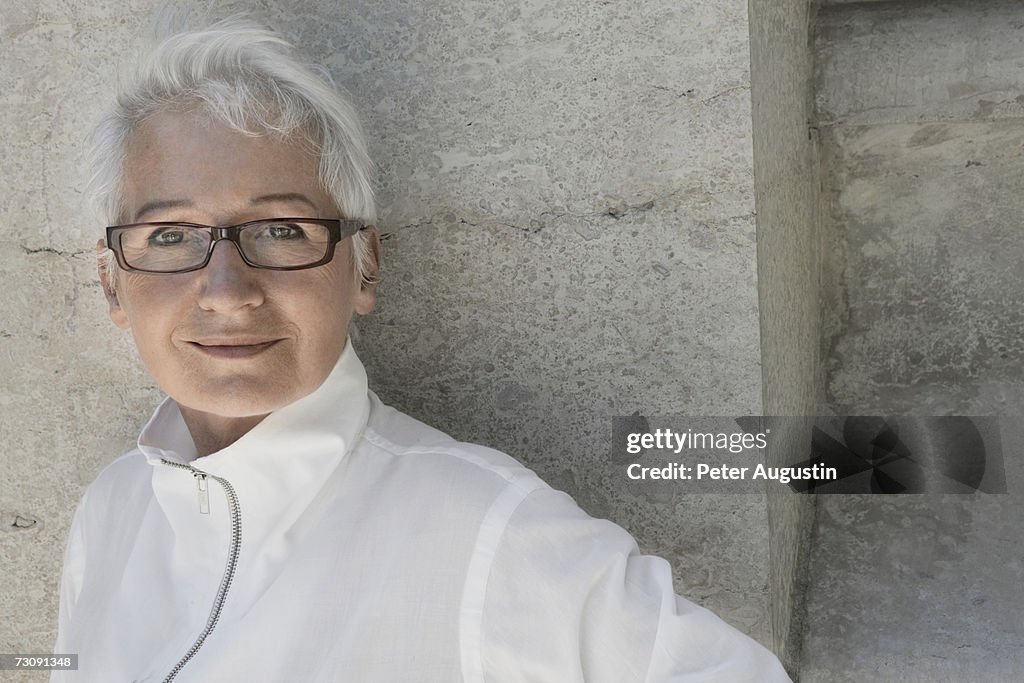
{"x":191,"y":159}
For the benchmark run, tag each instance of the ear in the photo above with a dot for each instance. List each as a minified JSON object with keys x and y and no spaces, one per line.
{"x":366,"y":297}
{"x":117,"y":314}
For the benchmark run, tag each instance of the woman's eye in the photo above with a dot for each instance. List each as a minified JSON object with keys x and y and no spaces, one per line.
{"x":167,"y":237}
{"x":284,"y":232}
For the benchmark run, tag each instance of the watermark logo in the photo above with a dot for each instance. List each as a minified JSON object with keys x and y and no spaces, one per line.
{"x":829,"y":454}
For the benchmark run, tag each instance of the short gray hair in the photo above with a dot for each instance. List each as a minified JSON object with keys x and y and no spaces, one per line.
{"x":249,"y":78}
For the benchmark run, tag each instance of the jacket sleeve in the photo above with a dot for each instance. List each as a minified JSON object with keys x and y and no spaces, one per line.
{"x":570,"y":598}
{"x":71,"y":578}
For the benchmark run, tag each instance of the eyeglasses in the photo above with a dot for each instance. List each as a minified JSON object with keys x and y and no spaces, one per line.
{"x":271,"y":243}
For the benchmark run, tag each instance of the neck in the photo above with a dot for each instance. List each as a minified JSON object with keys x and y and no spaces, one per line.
{"x":211,"y":433}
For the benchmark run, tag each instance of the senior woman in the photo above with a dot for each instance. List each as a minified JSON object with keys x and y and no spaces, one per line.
{"x":277,"y":522}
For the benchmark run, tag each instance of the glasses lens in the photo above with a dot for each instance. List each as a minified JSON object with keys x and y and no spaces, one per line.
{"x":164,"y":248}
{"x":285,"y":244}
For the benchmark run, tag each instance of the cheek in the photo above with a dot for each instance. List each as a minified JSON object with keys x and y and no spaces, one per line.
{"x":151,"y":306}
{"x":338,"y":279}
{"x":320,"y":303}
{"x":139,"y":300}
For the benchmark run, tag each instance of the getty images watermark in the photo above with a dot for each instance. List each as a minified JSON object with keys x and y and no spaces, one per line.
{"x":831,"y":454}
{"x":734,"y":443}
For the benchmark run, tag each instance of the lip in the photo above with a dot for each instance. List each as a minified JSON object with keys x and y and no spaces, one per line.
{"x":233,"y":348}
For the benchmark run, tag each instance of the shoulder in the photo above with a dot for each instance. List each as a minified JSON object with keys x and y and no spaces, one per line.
{"x":124,"y":480}
{"x":520,"y":514}
{"x":127,"y":468}
{"x":416,"y":444}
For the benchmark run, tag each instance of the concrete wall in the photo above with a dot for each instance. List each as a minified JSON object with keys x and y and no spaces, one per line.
{"x":919,"y":107}
{"x":788,"y":259}
{"x":569,"y":194}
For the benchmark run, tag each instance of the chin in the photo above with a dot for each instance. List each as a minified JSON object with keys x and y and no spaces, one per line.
{"x":233,"y":410}
{"x":241,"y":398}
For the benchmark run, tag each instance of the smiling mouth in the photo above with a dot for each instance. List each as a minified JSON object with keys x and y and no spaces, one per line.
{"x":234,"y":350}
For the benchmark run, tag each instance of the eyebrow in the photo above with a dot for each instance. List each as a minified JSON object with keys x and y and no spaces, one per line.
{"x":162,"y":204}
{"x":283,"y":197}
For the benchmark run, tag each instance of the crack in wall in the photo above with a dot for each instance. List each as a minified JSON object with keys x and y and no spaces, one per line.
{"x":726,"y":91}
{"x":616,"y":212}
{"x":51,"y":250}
{"x":685,"y":93}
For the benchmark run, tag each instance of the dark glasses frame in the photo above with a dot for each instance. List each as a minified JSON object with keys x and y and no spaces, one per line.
{"x":338,"y":229}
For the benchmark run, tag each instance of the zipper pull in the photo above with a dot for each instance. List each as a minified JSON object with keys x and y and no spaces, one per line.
{"x":204,"y":493}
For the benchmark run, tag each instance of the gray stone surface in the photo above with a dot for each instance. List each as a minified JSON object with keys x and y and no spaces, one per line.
{"x":919,"y":108}
{"x":924,"y":589}
{"x":931,"y":256}
{"x":569,"y":196}
{"x":844,"y":3}
{"x":788,"y":207}
{"x":919,"y":61}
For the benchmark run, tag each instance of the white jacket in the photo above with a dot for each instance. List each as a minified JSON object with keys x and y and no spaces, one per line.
{"x":341,"y":540}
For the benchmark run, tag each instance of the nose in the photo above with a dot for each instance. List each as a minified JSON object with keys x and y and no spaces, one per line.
{"x":228,"y":284}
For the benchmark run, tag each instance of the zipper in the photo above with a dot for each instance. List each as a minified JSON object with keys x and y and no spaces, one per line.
{"x":234,"y":549}
{"x":204,"y":493}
